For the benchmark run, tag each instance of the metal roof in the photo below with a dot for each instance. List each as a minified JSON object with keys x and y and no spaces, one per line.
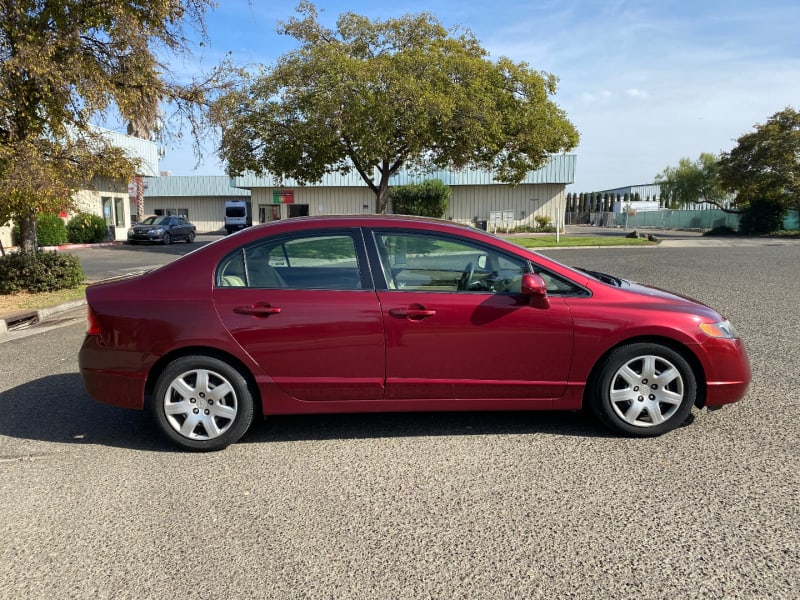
{"x":559,"y":169}
{"x":134,"y":147}
{"x":191,"y":185}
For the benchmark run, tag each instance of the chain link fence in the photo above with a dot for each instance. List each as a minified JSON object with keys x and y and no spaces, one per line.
{"x":667,"y":219}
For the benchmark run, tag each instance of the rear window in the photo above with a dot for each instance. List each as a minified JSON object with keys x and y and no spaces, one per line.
{"x":234,"y":211}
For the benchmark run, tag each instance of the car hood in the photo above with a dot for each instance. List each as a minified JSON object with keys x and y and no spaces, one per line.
{"x":655,"y":292}
{"x":641,"y":289}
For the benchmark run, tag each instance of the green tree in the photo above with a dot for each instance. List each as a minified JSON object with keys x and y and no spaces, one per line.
{"x":765,"y":164}
{"x":694,"y":181}
{"x":427,"y":199}
{"x":65,"y":64}
{"x":374,"y":96}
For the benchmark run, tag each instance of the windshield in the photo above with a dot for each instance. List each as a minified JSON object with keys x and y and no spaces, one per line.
{"x":154,"y":220}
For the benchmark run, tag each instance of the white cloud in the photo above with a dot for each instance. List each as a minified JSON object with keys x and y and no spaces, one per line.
{"x":637,"y":93}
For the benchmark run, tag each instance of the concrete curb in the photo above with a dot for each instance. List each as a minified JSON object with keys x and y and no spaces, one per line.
{"x":63,"y":247}
{"x":36,"y":316}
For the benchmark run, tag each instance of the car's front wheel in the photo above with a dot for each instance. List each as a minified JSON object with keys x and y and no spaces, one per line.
{"x":202,"y":403}
{"x":643,"y":390}
{"x":167,"y":239}
{"x":190,"y":237}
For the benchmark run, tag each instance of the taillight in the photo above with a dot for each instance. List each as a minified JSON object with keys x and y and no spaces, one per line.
{"x":92,"y":326}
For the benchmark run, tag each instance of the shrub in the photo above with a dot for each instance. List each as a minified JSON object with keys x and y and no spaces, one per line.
{"x":85,"y":228}
{"x":39,"y":272}
{"x":721,"y":230}
{"x":544,"y":225}
{"x":427,"y":199}
{"x":763,"y":215}
{"x":50,"y":230}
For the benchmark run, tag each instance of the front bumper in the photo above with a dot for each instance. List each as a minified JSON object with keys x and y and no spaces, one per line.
{"x":727,"y":371}
{"x":145,"y":237}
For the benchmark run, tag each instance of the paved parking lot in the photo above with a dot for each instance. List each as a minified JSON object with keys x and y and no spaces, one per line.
{"x":515,"y":505}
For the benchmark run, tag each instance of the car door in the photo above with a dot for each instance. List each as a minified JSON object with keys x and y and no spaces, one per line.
{"x":183,"y":226}
{"x":304,"y":308}
{"x":458,"y":327}
{"x":179,"y":227}
{"x":171,"y":227}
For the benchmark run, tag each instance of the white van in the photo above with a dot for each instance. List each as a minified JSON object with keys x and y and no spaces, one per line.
{"x":238,"y":215}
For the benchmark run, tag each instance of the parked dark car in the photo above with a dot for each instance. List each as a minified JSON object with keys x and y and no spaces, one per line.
{"x":379,"y":314}
{"x":164,"y":230}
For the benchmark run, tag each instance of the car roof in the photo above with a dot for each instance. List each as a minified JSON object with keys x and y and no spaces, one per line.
{"x":371,"y":220}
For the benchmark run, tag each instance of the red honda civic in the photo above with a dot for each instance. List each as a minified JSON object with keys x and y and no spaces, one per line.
{"x":347,"y":314}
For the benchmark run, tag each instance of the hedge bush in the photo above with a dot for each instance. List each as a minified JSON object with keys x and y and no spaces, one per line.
{"x":763,"y":216}
{"x":85,"y":228}
{"x":39,"y":272}
{"x":427,"y":199}
{"x":50,"y":230}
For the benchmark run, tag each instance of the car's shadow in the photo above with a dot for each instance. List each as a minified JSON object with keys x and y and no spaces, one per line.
{"x":57,"y":409}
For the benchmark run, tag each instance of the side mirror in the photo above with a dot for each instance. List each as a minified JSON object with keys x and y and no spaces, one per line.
{"x":535,"y":288}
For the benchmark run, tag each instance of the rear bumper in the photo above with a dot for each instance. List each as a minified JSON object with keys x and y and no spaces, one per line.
{"x":111,"y":381}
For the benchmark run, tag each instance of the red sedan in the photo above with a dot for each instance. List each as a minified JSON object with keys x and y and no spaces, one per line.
{"x":367,"y":314}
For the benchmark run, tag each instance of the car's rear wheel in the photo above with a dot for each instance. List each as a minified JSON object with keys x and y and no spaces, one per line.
{"x":643,"y":390}
{"x":202,"y":403}
{"x":190,"y":237}
{"x":167,"y":239}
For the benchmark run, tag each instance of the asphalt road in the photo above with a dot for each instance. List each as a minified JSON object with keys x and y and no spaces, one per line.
{"x":517,"y":505}
{"x":100,"y":262}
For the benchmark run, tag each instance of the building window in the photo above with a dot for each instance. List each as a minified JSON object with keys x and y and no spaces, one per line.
{"x":108,"y":209}
{"x":119,"y":212}
{"x":172,"y":212}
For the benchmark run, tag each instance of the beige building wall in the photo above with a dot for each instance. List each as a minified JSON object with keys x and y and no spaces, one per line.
{"x":474,"y":203}
{"x":110,"y":202}
{"x":469,"y":204}
{"x":313,"y":201}
{"x":205,"y":212}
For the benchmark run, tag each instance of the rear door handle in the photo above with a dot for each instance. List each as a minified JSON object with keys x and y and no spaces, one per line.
{"x":257,"y":310}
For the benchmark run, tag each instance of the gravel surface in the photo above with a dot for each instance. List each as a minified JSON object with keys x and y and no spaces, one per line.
{"x":512,"y":505}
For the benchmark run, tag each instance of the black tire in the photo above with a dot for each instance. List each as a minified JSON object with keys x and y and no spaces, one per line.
{"x":167,"y":239}
{"x":190,"y":237}
{"x":643,"y":390}
{"x":202,"y":403}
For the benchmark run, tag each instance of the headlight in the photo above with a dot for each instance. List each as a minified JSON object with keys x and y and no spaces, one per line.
{"x":723,"y":329}
{"x":158,"y":231}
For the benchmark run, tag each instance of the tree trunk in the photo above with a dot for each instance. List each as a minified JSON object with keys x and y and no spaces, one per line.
{"x":27,"y":234}
{"x":382,"y":196}
{"x":382,"y":200}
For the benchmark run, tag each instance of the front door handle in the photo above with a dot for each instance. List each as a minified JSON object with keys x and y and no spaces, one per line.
{"x":261,"y":309}
{"x":415,"y":312}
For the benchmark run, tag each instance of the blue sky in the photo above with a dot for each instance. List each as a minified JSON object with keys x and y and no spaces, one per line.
{"x":646,"y":83}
